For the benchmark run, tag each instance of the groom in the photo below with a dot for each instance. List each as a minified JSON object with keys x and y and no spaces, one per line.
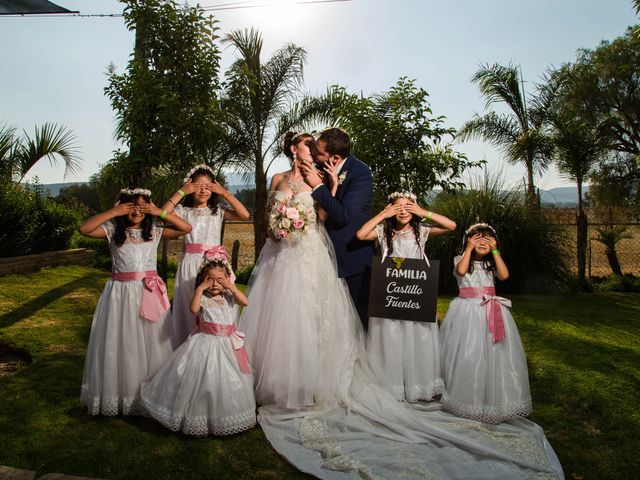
{"x":348,"y":211}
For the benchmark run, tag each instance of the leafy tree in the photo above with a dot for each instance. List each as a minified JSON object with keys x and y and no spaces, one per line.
{"x":247,"y":197}
{"x":578,"y":147}
{"x":616,"y":183}
{"x":81,"y":196}
{"x":520,"y":133}
{"x":603,"y":85}
{"x":165,"y":102}
{"x":397,"y":135}
{"x":18,"y":154}
{"x":258,"y":105}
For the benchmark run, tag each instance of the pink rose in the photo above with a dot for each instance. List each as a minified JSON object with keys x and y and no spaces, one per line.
{"x":299,"y":223}
{"x":281,"y":234}
{"x":282,"y":208}
{"x":293,"y":213}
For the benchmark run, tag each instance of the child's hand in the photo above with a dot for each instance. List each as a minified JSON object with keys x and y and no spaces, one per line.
{"x":120,"y":209}
{"x":493,"y":243}
{"x":473,"y":241}
{"x":227,"y":284}
{"x":391,"y":210}
{"x":206,"y":284}
{"x":151,"y":209}
{"x":218,"y":189}
{"x":415,"y":209}
{"x":189,"y":187}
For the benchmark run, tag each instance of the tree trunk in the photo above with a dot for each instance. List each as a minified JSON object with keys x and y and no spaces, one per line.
{"x":582,"y":226}
{"x":532,"y":198}
{"x":612,"y":258}
{"x":259,"y":214}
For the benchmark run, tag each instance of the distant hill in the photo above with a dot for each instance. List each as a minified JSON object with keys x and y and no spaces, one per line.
{"x":561,"y":196}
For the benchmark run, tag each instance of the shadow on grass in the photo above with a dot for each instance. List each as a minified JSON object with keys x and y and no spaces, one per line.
{"x":90,"y":281}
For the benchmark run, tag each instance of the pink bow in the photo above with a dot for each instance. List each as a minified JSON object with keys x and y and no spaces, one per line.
{"x":495,"y":320}
{"x":236,"y":338}
{"x":154,"y":297}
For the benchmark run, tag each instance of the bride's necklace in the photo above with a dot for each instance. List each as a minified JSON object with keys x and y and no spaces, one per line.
{"x":294,"y":186}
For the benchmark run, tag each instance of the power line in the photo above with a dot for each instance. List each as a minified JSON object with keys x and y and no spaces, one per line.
{"x":221,"y":6}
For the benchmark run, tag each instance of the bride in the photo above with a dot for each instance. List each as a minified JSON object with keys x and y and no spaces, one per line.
{"x":321,"y":407}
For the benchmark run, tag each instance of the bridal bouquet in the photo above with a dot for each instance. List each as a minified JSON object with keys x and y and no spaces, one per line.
{"x":289,"y":218}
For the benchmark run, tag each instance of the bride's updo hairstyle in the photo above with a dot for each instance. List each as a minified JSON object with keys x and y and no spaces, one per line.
{"x":293,"y":139}
{"x":130,"y":195}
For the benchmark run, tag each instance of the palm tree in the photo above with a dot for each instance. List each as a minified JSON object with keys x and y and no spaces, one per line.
{"x":578,"y":147}
{"x":19,"y":154}
{"x":519,"y":134}
{"x":259,"y":105}
{"x":609,"y":236}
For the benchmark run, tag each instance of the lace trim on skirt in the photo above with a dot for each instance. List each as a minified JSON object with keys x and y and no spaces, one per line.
{"x":202,"y":424}
{"x":487,"y":413}
{"x":110,"y":406}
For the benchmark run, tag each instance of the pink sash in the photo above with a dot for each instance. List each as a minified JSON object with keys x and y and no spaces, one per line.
{"x":236,"y":337}
{"x":154,"y":296}
{"x":495,"y":321}
{"x":196,"y":247}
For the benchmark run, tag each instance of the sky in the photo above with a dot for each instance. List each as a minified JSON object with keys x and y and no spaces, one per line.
{"x":53,"y":68}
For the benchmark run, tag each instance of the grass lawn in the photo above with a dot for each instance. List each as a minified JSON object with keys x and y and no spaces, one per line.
{"x":584,"y":367}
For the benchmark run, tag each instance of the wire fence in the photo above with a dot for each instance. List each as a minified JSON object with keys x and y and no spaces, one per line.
{"x":239,"y":242}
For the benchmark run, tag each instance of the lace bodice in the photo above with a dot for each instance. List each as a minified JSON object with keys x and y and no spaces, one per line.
{"x":404,"y":243}
{"x":205,"y":227}
{"x":135,"y":255}
{"x":478,"y":278}
{"x":224,"y":312}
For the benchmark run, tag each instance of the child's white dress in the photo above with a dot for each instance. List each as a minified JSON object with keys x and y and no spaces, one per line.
{"x":205,"y":233}
{"x":485,"y":380}
{"x":405,"y":355}
{"x":201,"y":389}
{"x":124,"y":348}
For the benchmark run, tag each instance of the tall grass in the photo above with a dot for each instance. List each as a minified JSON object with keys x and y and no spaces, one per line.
{"x":531,"y":247}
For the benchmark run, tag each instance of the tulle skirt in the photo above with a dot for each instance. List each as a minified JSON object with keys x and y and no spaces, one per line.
{"x":485,"y":381}
{"x":405,"y":357}
{"x":201,"y":390}
{"x":123,"y":349}
{"x":183,"y":321}
{"x":297,"y":323}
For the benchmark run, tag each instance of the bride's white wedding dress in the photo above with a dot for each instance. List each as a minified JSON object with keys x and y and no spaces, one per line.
{"x":321,"y":407}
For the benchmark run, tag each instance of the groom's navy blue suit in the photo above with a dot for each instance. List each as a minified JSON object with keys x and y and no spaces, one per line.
{"x":348,"y":211}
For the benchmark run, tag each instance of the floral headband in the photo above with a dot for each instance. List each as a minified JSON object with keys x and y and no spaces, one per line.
{"x":135,"y":191}
{"x":476,"y":226}
{"x":218,"y":256}
{"x":202,"y":166}
{"x":408,"y":195}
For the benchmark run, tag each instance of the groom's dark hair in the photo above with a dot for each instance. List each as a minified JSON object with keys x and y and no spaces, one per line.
{"x":337,"y":141}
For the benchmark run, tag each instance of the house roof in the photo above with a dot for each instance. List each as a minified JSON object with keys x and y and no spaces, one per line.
{"x":30,"y":7}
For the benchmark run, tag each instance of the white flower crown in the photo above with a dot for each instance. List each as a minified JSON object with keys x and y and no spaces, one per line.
{"x":478,"y":225}
{"x":408,"y":195}
{"x":202,"y":166}
{"x":135,"y":191}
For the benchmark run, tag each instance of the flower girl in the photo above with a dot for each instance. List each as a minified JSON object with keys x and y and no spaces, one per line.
{"x":206,"y":386}
{"x":131,"y":328}
{"x":405,"y":355}
{"x":200,"y":207}
{"x":484,"y":365}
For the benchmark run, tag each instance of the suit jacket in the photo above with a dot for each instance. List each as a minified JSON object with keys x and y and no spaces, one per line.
{"x":348,"y":211}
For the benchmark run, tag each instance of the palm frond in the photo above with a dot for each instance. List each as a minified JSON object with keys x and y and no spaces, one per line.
{"x":50,"y":141}
{"x":500,"y":83}
{"x":499,"y":130}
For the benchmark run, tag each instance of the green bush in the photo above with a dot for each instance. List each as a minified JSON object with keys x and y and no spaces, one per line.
{"x":98,"y":245}
{"x":532,"y":248}
{"x":618,"y":283}
{"x":32,"y":223}
{"x":244,"y":274}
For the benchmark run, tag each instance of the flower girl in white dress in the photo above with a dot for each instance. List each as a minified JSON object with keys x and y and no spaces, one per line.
{"x":484,"y":365}
{"x":131,"y":328}
{"x":206,"y":386}
{"x":198,"y":203}
{"x":405,"y":355}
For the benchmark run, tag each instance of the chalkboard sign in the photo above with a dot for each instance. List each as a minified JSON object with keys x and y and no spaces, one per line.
{"x":404,"y":289}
